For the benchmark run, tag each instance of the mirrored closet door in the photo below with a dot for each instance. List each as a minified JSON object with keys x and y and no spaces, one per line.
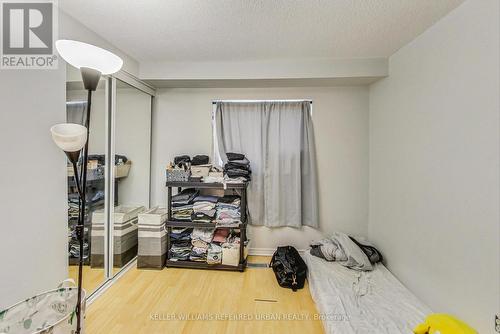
{"x":120,"y":136}
{"x":132,"y":150}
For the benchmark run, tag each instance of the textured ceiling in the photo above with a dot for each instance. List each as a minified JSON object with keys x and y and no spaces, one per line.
{"x":225,"y":30}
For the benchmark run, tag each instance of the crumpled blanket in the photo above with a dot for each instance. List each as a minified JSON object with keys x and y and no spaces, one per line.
{"x":340,"y":248}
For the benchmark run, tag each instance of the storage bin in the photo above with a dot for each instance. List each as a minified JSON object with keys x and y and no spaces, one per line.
{"x":92,"y":173}
{"x":125,"y":236}
{"x":231,"y":256}
{"x":178,"y":174}
{"x":123,"y":169}
{"x":51,"y":312}
{"x":152,"y":251}
{"x":200,"y":170}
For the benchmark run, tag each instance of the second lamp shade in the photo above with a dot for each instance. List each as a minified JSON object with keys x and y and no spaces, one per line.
{"x":69,"y":137}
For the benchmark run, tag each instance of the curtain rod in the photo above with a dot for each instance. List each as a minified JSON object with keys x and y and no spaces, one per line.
{"x":254,"y":101}
{"x":76,"y":102}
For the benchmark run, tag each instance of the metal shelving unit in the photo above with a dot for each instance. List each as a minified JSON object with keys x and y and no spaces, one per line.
{"x":242,"y":188}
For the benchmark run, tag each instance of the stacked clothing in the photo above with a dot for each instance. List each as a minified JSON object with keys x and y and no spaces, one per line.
{"x":181,"y":244}
{"x":182,"y":207}
{"x":200,"y":160}
{"x":200,"y":240}
{"x":182,"y":213}
{"x":185,"y":197}
{"x":228,"y":211}
{"x":237,"y":166}
{"x":220,"y":235}
{"x":204,"y":209}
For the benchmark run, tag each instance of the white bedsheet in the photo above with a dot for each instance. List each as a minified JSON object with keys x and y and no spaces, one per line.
{"x":372,"y":302}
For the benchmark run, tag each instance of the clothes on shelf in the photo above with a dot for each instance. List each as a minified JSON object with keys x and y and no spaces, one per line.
{"x":185,"y":197}
{"x":204,"y":209}
{"x":215,"y":175}
{"x":201,"y":244}
{"x":231,"y":156}
{"x":179,"y":160}
{"x":198,"y":169}
{"x":222,"y":211}
{"x":220,"y":235}
{"x":198,"y":243}
{"x":200,"y":160}
{"x":228,"y":212}
{"x":200,"y":239}
{"x":181,"y":234}
{"x":181,"y":244}
{"x":74,"y":249}
{"x":182,"y":213}
{"x":200,"y":217}
{"x":204,"y":234}
{"x":237,"y":166}
{"x":198,"y":254}
{"x":179,"y":252}
{"x":211,"y":199}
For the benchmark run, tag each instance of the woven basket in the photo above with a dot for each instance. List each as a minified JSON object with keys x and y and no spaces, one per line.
{"x":178,"y":175}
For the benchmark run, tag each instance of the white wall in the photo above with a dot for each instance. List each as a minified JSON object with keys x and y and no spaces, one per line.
{"x":33,"y":201}
{"x":434,"y":164}
{"x":33,"y":228}
{"x":182,"y":125}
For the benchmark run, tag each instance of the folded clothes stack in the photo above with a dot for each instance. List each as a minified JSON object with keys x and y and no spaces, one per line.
{"x":198,"y":254}
{"x":179,"y":234}
{"x":200,"y":240}
{"x":237,"y":166}
{"x":203,"y":234}
{"x":220,"y":235}
{"x":182,"y":213}
{"x":228,"y":211}
{"x":182,"y":204}
{"x":185,"y":197}
{"x":181,"y":244}
{"x":200,"y":160}
{"x":204,"y":209}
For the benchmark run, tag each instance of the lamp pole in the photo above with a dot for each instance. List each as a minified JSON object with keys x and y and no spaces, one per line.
{"x":92,"y":62}
{"x":90,"y":79}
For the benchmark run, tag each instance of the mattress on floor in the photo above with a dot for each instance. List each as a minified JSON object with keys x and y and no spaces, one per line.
{"x":350,"y":301}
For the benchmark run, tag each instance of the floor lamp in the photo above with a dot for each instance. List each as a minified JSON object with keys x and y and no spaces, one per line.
{"x":92,"y":62}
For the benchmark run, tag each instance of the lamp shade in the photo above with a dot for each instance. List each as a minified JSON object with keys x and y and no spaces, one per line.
{"x":79,"y":54}
{"x":69,"y":137}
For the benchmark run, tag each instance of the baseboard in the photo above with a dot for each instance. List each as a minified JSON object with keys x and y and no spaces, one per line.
{"x":266,"y":251}
{"x":261,"y":251}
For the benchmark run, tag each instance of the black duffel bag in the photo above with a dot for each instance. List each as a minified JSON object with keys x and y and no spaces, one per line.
{"x":289,"y":268}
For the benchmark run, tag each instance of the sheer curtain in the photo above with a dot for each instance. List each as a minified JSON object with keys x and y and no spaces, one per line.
{"x":278,"y":139}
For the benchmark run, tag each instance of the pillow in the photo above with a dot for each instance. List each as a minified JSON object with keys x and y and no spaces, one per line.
{"x":356,"y":258}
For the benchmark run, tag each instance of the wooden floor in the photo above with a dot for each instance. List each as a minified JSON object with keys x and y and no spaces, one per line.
{"x":92,"y":277}
{"x":202,"y":301}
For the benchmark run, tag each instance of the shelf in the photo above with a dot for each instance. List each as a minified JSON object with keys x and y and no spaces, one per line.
{"x":204,"y":265}
{"x":178,"y":223}
{"x":207,"y":185}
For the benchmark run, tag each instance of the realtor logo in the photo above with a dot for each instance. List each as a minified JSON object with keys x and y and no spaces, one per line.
{"x":28,"y":34}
